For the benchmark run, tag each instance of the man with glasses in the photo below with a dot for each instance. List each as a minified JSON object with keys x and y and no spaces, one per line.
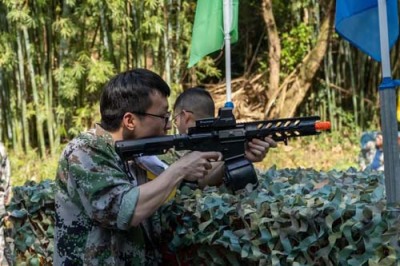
{"x":106,"y":209}
{"x":197,"y":103}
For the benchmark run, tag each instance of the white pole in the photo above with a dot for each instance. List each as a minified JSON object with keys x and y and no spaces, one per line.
{"x":387,"y":95}
{"x":384,"y":39}
{"x":227,"y":37}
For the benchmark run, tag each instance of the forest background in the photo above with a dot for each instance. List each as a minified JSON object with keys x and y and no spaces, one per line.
{"x":55,"y":56}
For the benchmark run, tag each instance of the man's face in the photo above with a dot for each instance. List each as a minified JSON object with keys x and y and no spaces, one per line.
{"x":183,"y":119}
{"x":154,"y":123}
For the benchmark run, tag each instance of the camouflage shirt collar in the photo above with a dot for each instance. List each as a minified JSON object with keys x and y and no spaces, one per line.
{"x":101,"y":132}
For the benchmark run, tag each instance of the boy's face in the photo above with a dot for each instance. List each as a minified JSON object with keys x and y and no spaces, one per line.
{"x":156,"y":121}
{"x":183,"y":119}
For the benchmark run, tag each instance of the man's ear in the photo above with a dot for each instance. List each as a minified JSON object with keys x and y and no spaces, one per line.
{"x":129,"y":121}
{"x":189,"y":119}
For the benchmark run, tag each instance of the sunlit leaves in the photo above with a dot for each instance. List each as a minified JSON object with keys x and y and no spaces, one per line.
{"x":7,"y":53}
{"x":99,"y":73}
{"x":65,"y":27}
{"x":295,"y":45}
{"x":21,"y":17}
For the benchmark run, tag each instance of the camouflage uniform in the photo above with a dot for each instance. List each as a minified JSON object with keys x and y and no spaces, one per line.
{"x":4,"y":193}
{"x":95,"y":200}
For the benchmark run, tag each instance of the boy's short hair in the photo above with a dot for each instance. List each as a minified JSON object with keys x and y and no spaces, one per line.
{"x":197,"y":100}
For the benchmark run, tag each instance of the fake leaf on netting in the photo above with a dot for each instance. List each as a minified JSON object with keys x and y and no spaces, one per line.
{"x":19,"y":213}
{"x":229,"y":239}
{"x":232,"y":260}
{"x":285,"y":242}
{"x":206,"y":237}
{"x":175,"y":243}
{"x":204,"y":225}
{"x":263,"y":197}
{"x":378,"y":194}
{"x":34,"y":261}
{"x":215,"y":256}
{"x":211,"y":202}
{"x":50,"y":231}
{"x":37,"y":196}
{"x":277,"y":188}
{"x":345,"y":253}
{"x":245,"y":209}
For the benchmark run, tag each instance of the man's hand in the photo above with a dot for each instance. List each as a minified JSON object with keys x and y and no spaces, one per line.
{"x":195,"y":165}
{"x":257,"y":149}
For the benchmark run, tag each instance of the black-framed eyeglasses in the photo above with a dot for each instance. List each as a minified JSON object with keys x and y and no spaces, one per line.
{"x":166,"y":117}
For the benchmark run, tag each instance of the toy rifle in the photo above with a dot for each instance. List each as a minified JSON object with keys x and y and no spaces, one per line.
{"x":223,"y":134}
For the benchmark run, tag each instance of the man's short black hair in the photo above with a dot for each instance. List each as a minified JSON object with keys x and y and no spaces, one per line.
{"x":129,"y":92}
{"x":197,"y":100}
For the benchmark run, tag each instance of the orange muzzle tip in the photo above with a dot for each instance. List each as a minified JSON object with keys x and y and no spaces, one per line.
{"x":322,"y":125}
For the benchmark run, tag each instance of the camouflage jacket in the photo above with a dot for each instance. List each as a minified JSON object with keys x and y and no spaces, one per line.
{"x":95,"y":200}
{"x":4,"y":195}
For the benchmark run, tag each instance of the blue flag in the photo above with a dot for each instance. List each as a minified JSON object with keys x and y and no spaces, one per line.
{"x":357,"y":21}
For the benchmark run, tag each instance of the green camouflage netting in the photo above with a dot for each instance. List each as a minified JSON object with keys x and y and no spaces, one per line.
{"x":294,"y":217}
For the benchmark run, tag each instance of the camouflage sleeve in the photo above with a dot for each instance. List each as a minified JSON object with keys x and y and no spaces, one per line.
{"x":103,"y":187}
{"x":4,"y":193}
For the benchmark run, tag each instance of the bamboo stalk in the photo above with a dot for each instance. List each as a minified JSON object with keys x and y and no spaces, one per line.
{"x":35,"y":95}
{"x":22,"y":93}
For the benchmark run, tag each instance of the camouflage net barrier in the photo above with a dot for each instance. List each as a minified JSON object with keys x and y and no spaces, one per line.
{"x":29,"y":224}
{"x":294,"y":217}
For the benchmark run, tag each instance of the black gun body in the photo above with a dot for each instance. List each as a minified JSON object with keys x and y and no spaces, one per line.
{"x":229,"y":141}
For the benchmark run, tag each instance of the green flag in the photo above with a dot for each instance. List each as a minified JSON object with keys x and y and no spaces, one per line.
{"x":208,"y":28}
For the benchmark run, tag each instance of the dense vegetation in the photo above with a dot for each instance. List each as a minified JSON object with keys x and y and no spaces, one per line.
{"x":56,"y":55}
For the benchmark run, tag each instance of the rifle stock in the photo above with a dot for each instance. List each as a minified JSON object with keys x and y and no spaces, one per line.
{"x":223,"y":134}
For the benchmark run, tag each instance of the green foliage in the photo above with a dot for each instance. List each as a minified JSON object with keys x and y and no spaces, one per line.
{"x":205,"y":68}
{"x":295,"y":216}
{"x":83,"y":119}
{"x":21,"y":17}
{"x":26,"y":167}
{"x":295,"y":45}
{"x":7,"y":54}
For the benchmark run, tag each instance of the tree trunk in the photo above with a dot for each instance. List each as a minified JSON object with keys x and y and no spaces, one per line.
{"x":294,"y":88}
{"x":35,"y":95}
{"x":22,"y":93}
{"x":274,"y":48}
{"x":106,"y":33}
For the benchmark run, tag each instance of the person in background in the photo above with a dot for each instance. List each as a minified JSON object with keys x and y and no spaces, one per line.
{"x":371,"y":156}
{"x":196,"y":103}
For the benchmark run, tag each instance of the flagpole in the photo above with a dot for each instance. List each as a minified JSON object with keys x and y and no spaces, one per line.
{"x":227,"y":11}
{"x":387,"y":95}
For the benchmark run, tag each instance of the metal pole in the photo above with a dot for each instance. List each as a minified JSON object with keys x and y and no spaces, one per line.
{"x":387,"y":94}
{"x":227,"y":37}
